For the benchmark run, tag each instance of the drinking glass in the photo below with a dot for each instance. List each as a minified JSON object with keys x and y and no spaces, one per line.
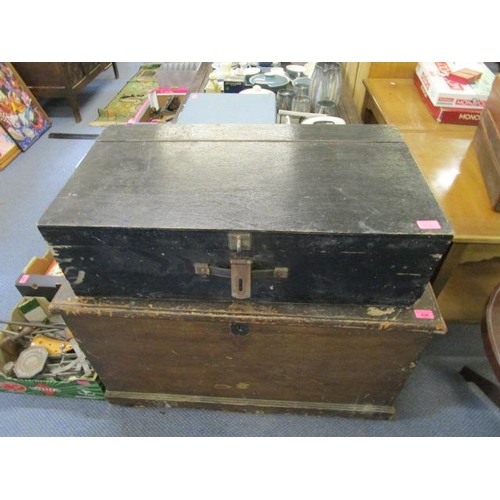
{"x":325,"y":108}
{"x":301,"y":89}
{"x":284,"y":99}
{"x":301,"y":103}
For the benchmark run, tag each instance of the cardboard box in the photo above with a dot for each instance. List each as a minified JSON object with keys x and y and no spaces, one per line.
{"x":145,"y":114}
{"x":459,"y":116}
{"x":465,"y":76}
{"x":84,"y":387}
{"x":41,"y":277}
{"x":444,"y":92}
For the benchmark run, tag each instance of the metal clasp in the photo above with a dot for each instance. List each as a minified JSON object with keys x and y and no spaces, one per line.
{"x":241,"y":278}
{"x":239,"y":242}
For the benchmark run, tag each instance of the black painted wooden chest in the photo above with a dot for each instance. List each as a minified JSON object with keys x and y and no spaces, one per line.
{"x":279,"y":213}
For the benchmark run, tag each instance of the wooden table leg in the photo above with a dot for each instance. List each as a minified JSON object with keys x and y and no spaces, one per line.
{"x":71,"y":94}
{"x":73,"y":101}
{"x":489,"y":388}
{"x":366,"y":110}
{"x":371,"y":113}
{"x":451,"y":261}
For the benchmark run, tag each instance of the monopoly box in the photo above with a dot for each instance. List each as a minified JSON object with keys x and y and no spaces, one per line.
{"x":444,"y":92}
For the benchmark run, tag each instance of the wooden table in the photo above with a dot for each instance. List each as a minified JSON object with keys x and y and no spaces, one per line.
{"x":395,"y":101}
{"x":448,"y":161}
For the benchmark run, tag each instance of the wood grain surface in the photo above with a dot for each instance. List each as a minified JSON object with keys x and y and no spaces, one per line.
{"x":450,"y":165}
{"x":286,"y":178}
{"x":341,"y":209}
{"x":299,"y":358}
{"x":395,"y":101}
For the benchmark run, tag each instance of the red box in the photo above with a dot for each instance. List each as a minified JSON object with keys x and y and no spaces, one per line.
{"x":446,"y":93}
{"x":457,"y":116}
{"x":465,"y":76}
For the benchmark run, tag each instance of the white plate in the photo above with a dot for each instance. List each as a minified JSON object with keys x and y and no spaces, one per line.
{"x":316,"y":120}
{"x":216,"y":65}
{"x":256,"y":89}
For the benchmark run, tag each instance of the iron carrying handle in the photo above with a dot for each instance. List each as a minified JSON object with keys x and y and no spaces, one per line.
{"x":241,"y":274}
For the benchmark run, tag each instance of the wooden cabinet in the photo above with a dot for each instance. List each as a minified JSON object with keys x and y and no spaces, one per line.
{"x":61,"y":79}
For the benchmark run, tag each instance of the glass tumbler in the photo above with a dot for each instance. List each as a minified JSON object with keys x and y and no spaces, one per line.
{"x":301,"y":89}
{"x":284,"y":99}
{"x":325,"y":108}
{"x":301,"y":104}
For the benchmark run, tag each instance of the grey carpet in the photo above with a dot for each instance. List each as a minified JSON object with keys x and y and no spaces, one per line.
{"x":436,"y":401}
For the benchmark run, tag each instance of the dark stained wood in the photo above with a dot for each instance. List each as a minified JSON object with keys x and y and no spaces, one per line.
{"x":149,"y":133}
{"x":338,"y":207}
{"x":345,"y":360}
{"x":490,"y":329}
{"x":491,"y":390}
{"x":61,"y":79}
{"x":490,"y":332}
{"x":68,"y":80}
{"x":487,"y":144}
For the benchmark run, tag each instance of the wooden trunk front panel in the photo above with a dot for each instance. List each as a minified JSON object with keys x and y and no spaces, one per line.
{"x":299,"y":359}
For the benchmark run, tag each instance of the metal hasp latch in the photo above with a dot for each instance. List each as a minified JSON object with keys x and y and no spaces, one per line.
{"x":241,"y":278}
{"x":241,"y":268}
{"x":240,"y":271}
{"x":239,"y":242}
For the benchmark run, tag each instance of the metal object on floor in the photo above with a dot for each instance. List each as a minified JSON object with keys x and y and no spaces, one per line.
{"x":61,"y":135}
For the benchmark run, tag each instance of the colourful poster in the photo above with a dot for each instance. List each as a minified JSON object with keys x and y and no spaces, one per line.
{"x":20,"y":114}
{"x":6,"y":143}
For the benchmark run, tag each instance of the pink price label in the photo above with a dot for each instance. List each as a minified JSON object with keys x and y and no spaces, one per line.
{"x":24,"y":278}
{"x":428,"y":224}
{"x":424,"y":314}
